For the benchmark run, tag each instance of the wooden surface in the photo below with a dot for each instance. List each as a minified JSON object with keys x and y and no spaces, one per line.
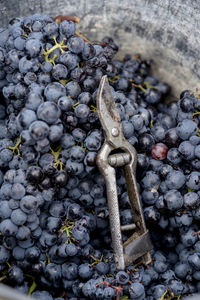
{"x":166,"y":30}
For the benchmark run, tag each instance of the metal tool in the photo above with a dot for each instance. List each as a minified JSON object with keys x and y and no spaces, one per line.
{"x":139,"y":244}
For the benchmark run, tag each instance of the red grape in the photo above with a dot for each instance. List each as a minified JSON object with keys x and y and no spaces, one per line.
{"x":159,"y":151}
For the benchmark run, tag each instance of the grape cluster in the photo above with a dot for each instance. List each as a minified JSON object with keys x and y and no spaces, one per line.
{"x":54,"y":221}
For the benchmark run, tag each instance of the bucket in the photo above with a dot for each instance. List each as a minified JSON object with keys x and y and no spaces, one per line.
{"x":166,"y":31}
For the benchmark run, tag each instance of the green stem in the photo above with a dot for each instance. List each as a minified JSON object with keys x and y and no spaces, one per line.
{"x":196,"y":113}
{"x":139,"y":86}
{"x":2,"y":278}
{"x":16,"y":147}
{"x":77,"y":103}
{"x":149,"y":86}
{"x":33,"y":285}
{"x":163,"y":295}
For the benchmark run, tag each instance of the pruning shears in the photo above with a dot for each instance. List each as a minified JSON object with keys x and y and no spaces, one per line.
{"x":118,"y":152}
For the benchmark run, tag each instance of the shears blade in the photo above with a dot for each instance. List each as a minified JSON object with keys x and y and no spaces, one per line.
{"x":106,"y":107}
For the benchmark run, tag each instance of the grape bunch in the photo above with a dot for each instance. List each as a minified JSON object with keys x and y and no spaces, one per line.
{"x":55,"y":238}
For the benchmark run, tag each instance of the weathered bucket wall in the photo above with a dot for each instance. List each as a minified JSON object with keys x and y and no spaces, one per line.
{"x":166,"y":30}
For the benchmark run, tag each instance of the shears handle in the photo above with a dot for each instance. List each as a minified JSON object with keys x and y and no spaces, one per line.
{"x":139,"y":244}
{"x":113,"y":206}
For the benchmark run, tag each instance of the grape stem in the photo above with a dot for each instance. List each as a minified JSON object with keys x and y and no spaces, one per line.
{"x":60,"y":18}
{"x":78,"y":33}
{"x":57,"y":45}
{"x":56,"y":154}
{"x":67,"y":226}
{"x":117,"y":288}
{"x":16,"y":147}
{"x":2,"y":278}
{"x":196,"y":233}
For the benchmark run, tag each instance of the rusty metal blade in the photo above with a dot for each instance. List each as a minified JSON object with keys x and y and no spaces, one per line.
{"x":137,"y":248}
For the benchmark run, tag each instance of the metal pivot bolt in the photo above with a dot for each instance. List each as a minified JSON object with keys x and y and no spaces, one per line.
{"x":115,"y":131}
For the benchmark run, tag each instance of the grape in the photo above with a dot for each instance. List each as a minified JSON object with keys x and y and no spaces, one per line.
{"x":85,"y":271}
{"x":137,"y":291}
{"x":23,"y":233}
{"x":78,"y":75}
{"x":33,"y":101}
{"x":5,"y":210}
{"x":16,"y":275}
{"x":181,"y":270}
{"x":8,"y":228}
{"x":18,"y":191}
{"x":175,"y":180}
{"x":33,"y":47}
{"x":71,"y":249}
{"x":69,"y":271}
{"x":39,"y":130}
{"x":150,"y":180}
{"x":73,"y":89}
{"x":54,"y":218}
{"x":29,"y":204}
{"x":146,"y":142}
{"x":44,"y":295}
{"x":186,"y":129}
{"x":89,"y":288}
{"x":81,"y":111}
{"x":193,"y":181}
{"x":102,"y":268}
{"x":187,"y":150}
{"x":4,"y":255}
{"x":159,"y":151}
{"x":176,"y":286}
{"x":67,"y":28}
{"x":53,"y":272}
{"x":54,"y":91}
{"x":128,"y":129}
{"x":48,"y":112}
{"x":173,"y":199}
{"x":55,"y":132}
{"x":56,"y":209}
{"x":65,"y":103}
{"x":69,"y":59}
{"x":67,"y":140}
{"x":88,"y":51}
{"x":26,"y":117}
{"x":138,"y":122}
{"x":152,"y":96}
{"x":53,"y":224}
{"x":174,"y":156}
{"x":191,"y":200}
{"x":76,"y":44}
{"x":18,"y":217}
{"x":18,"y":253}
